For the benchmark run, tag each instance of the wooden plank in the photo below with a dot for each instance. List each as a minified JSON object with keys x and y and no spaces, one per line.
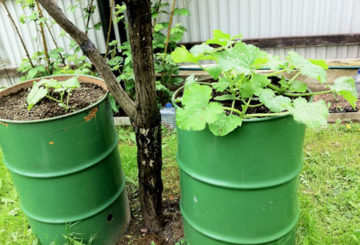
{"x":299,"y":41}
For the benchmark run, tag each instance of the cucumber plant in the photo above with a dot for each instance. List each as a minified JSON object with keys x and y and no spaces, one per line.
{"x":240,"y":92}
{"x":52,"y":89}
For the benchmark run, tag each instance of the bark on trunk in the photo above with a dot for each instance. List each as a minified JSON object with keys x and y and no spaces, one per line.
{"x":150,"y":184}
{"x":147,"y":121}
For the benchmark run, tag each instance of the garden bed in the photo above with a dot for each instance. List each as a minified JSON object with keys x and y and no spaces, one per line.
{"x":340,"y":109}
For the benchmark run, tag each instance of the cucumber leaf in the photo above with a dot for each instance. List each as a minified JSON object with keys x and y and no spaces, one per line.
{"x":242,"y":58}
{"x":274,"y":103}
{"x":225,"y":124}
{"x":222,"y":84}
{"x":345,"y":86}
{"x":214,"y":71}
{"x":36,"y":94}
{"x":219,"y":38}
{"x":197,"y":111}
{"x":298,"y":86}
{"x":254,"y":86}
{"x":312,"y":114}
{"x":306,"y":67}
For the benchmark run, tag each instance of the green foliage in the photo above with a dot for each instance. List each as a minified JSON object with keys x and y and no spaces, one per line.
{"x":181,"y":242}
{"x":53,"y":90}
{"x":306,"y":67}
{"x":239,"y":87}
{"x":345,"y":86}
{"x":74,"y":238}
{"x":312,"y":114}
{"x":198,"y":110}
{"x":60,"y":62}
{"x":163,"y":63}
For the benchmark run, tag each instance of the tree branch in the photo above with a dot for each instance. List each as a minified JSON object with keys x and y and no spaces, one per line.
{"x":94,"y":55}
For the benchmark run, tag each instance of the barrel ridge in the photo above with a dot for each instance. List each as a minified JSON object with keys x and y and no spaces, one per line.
{"x":234,"y":240}
{"x":229,"y":185}
{"x":80,"y":168}
{"x":79,"y":217}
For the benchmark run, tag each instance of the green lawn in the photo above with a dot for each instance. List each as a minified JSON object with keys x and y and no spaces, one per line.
{"x":329,"y":187}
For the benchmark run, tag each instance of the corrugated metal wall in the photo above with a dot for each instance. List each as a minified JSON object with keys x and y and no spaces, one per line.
{"x":251,"y":18}
{"x":11,"y":42}
{"x":274,"y":18}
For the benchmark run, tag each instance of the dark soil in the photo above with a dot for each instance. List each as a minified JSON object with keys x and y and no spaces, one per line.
{"x":337,"y":103}
{"x":137,"y":234}
{"x":14,"y":106}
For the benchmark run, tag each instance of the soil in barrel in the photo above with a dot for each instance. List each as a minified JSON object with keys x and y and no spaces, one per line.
{"x":14,"y":105}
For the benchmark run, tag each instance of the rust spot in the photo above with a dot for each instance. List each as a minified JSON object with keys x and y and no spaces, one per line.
{"x":51,"y":142}
{"x":5,"y":124}
{"x":91,"y":114}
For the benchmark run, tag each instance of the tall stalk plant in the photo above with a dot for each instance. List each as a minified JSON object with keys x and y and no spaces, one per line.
{"x":46,"y":61}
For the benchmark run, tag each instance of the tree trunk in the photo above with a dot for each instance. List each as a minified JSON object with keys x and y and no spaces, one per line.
{"x":148,"y":142}
{"x":147,"y":122}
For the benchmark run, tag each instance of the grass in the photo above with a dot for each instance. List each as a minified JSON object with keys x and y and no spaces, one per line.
{"x":329,"y":187}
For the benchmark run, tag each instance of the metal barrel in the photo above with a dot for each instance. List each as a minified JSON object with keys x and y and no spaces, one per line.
{"x":241,"y":188}
{"x":67,"y":172}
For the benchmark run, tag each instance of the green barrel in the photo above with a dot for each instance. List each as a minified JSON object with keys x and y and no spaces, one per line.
{"x":67,"y":172}
{"x":241,"y":188}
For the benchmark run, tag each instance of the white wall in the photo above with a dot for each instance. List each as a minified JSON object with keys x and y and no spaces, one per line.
{"x":275,"y":18}
{"x":251,"y":18}
{"x":12,"y":46}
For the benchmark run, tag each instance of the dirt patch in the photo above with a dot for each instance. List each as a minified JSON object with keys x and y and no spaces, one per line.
{"x":14,"y":106}
{"x":137,"y":234}
{"x":337,"y":103}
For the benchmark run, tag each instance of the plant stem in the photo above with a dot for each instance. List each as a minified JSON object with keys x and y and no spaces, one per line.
{"x":89,"y":16}
{"x":274,"y":87}
{"x":46,"y":51}
{"x":55,"y":43}
{"x":67,"y":100}
{"x":308,"y":94}
{"x":52,"y":98}
{"x":247,"y":105}
{"x":266,"y":114}
{"x":260,"y":104}
{"x":277,"y":72}
{"x":109,"y":30}
{"x":157,"y":10}
{"x":18,"y":33}
{"x":167,"y":41}
{"x":294,"y":77}
{"x":205,"y":83}
{"x":169,"y":26}
{"x":233,"y":109}
{"x":232,"y":106}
